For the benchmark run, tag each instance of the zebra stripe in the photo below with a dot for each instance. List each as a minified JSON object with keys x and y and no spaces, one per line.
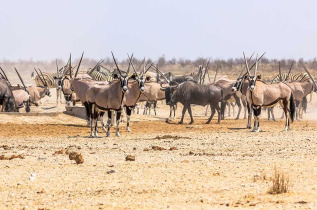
{"x":299,"y":77}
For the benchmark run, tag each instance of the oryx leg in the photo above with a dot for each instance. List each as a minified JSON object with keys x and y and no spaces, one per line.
{"x":249,"y":115}
{"x":244,"y":103}
{"x":286,"y":112}
{"x":183,"y":114}
{"x":154,"y":107}
{"x":128,"y":112}
{"x":175,"y":107}
{"x":238,"y":102}
{"x":96,"y":114}
{"x":110,"y":115}
{"x":92,"y":114}
{"x":190,"y":114}
{"x":101,"y":121}
{"x":297,"y":105}
{"x":87,"y":113}
{"x":229,"y":109}
{"x":257,"y":113}
{"x":118,"y":122}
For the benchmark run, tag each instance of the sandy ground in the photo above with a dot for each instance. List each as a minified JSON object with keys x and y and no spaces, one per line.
{"x":210,"y":166}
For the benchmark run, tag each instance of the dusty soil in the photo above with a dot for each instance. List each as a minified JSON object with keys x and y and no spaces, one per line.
{"x":176,"y":166}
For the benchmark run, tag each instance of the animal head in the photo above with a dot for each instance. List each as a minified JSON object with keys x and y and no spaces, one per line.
{"x":237,"y":85}
{"x":169,"y":91}
{"x":47,"y":91}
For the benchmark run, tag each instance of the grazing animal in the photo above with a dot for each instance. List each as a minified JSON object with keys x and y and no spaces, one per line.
{"x":189,"y":92}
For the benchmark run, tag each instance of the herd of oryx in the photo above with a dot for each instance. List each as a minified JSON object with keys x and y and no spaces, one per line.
{"x":101,"y":90}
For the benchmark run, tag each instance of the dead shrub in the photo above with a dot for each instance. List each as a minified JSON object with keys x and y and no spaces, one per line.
{"x":280,"y":182}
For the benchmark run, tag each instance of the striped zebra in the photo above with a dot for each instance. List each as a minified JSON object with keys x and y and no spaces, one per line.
{"x":100,"y":73}
{"x":299,"y":77}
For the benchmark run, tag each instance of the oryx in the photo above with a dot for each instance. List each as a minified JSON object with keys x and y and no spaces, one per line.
{"x":260,"y":94}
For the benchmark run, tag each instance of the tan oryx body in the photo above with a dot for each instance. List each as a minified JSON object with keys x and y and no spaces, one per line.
{"x":37,"y":93}
{"x":260,"y":94}
{"x":21,"y":97}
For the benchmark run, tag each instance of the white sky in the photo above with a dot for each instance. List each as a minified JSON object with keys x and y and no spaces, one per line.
{"x":44,"y":30}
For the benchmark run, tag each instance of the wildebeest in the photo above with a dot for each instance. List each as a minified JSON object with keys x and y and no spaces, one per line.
{"x":189,"y":92}
{"x":6,"y":96}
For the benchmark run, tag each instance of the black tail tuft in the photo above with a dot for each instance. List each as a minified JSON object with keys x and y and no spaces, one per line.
{"x":304,"y":104}
{"x":222,"y":106}
{"x":292,"y":107}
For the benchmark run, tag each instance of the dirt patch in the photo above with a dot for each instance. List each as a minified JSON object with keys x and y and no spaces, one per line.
{"x":2,"y":157}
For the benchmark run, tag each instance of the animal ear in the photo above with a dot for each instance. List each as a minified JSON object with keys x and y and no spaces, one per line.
{"x":148,"y":78}
{"x":259,"y":77}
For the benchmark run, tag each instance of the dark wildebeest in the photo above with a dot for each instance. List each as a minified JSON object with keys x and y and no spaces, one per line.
{"x":6,"y":97}
{"x":189,"y":92}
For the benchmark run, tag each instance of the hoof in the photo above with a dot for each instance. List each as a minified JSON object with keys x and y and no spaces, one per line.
{"x":92,"y":135}
{"x":208,"y":122}
{"x":96,"y":135}
{"x":191,"y":122}
{"x":180,"y":123}
{"x":274,"y":120}
{"x":237,"y":118}
{"x":108,"y":133}
{"x":128,"y":129}
{"x":118,"y":134}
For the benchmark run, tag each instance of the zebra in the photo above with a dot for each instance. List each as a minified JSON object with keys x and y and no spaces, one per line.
{"x":100,"y":73}
{"x":299,"y":77}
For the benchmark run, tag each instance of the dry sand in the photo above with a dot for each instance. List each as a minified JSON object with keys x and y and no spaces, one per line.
{"x":210,"y":166}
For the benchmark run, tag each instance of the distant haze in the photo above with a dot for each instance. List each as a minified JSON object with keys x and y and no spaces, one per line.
{"x":45,"y":30}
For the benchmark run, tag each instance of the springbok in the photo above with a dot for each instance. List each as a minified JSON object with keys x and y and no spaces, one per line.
{"x":261,"y":95}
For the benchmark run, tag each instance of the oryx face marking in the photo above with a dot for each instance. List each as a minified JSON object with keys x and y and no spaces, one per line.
{"x":124,"y":83}
{"x":237,"y":85}
{"x":252,"y":82}
{"x":141,"y":82}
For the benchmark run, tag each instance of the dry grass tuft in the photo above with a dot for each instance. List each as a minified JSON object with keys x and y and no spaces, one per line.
{"x":280,"y":182}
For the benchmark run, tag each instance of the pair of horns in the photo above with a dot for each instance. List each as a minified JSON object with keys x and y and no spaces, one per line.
{"x":255,"y":64}
{"x":309,"y":74}
{"x":5,"y":76}
{"x":41,"y":78}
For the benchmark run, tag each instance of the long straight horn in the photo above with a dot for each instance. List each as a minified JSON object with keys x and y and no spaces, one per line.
{"x":69,"y":66}
{"x":141,"y":64}
{"x":243,"y":68}
{"x":5,"y":75}
{"x":279,"y":71}
{"x":246,"y":64}
{"x":39,"y":76}
{"x":130,"y":60}
{"x":255,"y":62}
{"x":96,"y":66}
{"x":82,"y":55}
{"x":45,"y":84}
{"x":290,"y":69}
{"x":115,"y":62}
{"x":157,"y":70}
{"x":309,"y":75}
{"x":149,"y":67}
{"x":133,"y":66}
{"x":256,"y":66}
{"x":21,"y":80}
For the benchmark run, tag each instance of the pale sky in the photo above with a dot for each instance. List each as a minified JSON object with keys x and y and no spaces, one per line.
{"x":45,"y":30}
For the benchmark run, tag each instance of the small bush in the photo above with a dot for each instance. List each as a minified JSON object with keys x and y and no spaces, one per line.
{"x":280,"y":182}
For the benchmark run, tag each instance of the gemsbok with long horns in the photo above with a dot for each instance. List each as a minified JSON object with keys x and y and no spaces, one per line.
{"x":260,"y":94}
{"x":107,"y":98}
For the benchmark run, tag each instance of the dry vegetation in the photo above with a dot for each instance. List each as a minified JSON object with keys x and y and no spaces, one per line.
{"x":280,"y":182}
{"x":230,"y":67}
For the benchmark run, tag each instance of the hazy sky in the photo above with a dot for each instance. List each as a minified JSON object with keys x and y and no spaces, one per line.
{"x":44,"y":30}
